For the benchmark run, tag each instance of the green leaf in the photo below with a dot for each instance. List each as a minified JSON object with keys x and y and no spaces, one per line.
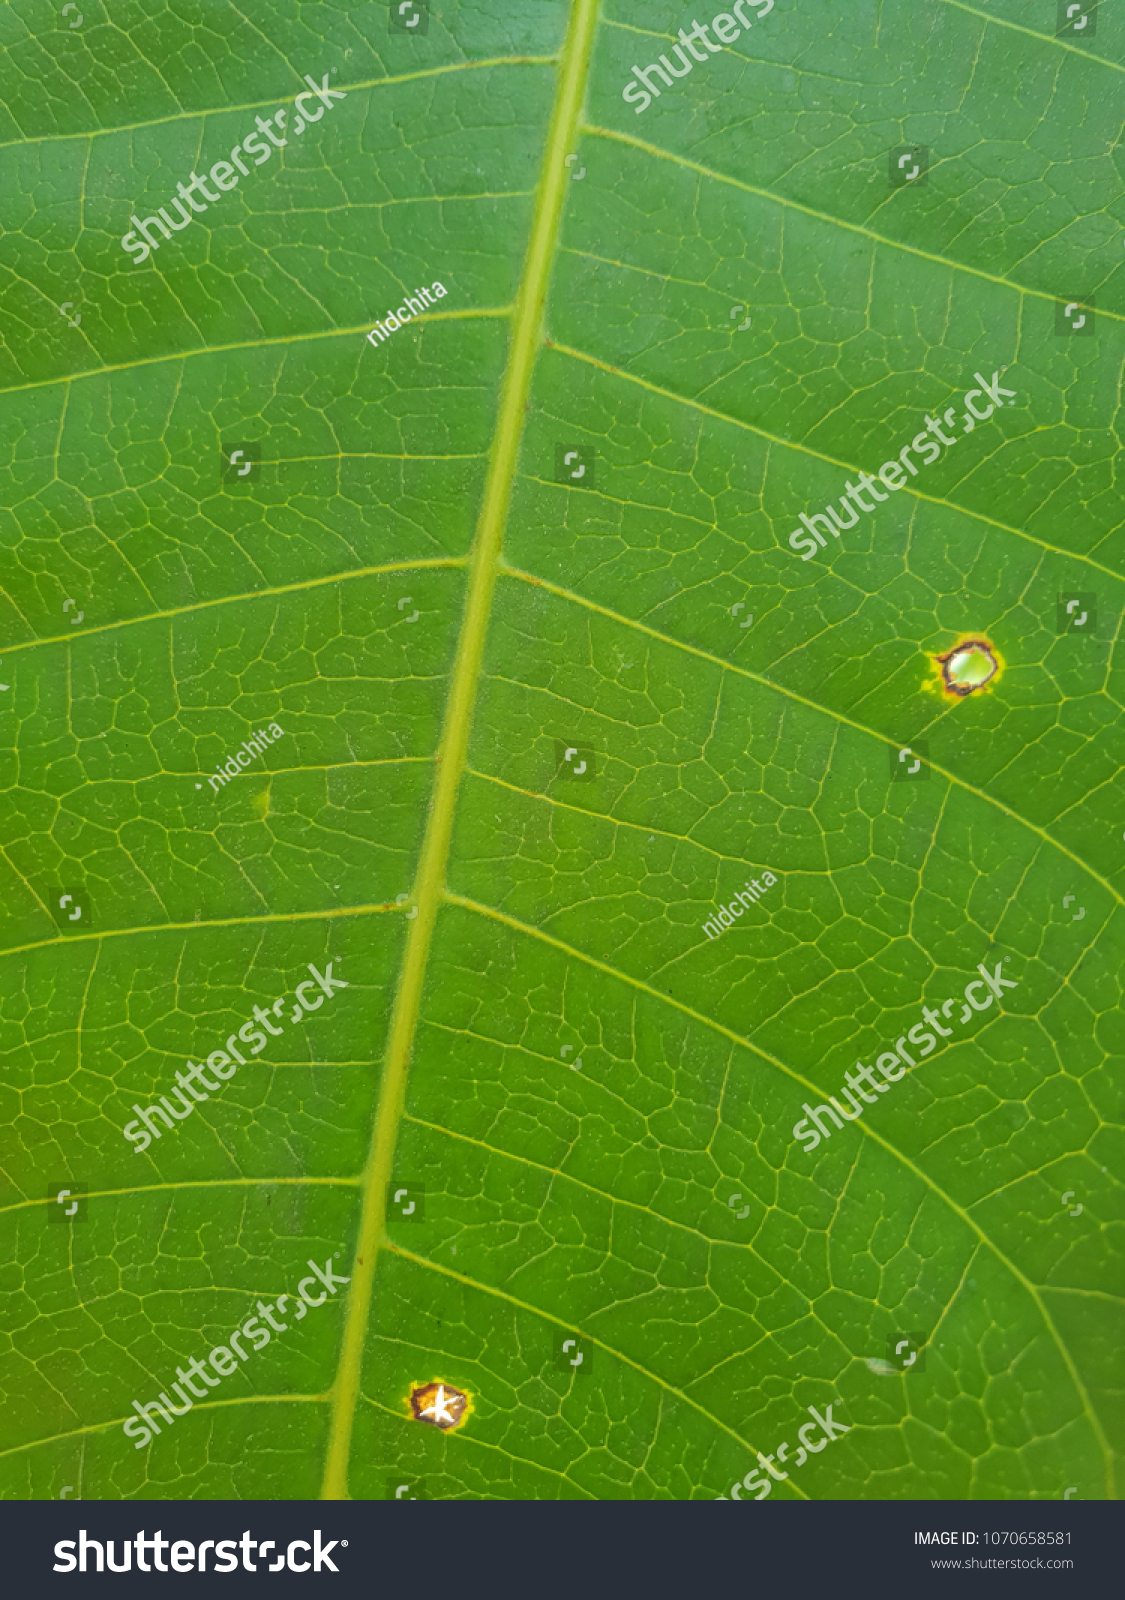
{"x":590,"y":1100}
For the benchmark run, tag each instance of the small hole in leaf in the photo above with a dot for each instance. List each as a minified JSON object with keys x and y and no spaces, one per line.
{"x":439,"y":1404}
{"x":969,"y":666}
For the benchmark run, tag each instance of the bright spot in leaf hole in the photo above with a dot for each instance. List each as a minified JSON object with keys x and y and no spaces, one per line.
{"x":440,"y":1404}
{"x":970,"y":666}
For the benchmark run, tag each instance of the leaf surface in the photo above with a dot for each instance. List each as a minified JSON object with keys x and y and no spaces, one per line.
{"x":591,"y":1098}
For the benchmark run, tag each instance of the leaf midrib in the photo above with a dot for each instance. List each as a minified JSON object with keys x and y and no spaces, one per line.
{"x":429,"y":883}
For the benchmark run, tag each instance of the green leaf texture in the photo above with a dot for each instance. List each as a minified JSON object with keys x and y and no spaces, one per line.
{"x":416,"y":824}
